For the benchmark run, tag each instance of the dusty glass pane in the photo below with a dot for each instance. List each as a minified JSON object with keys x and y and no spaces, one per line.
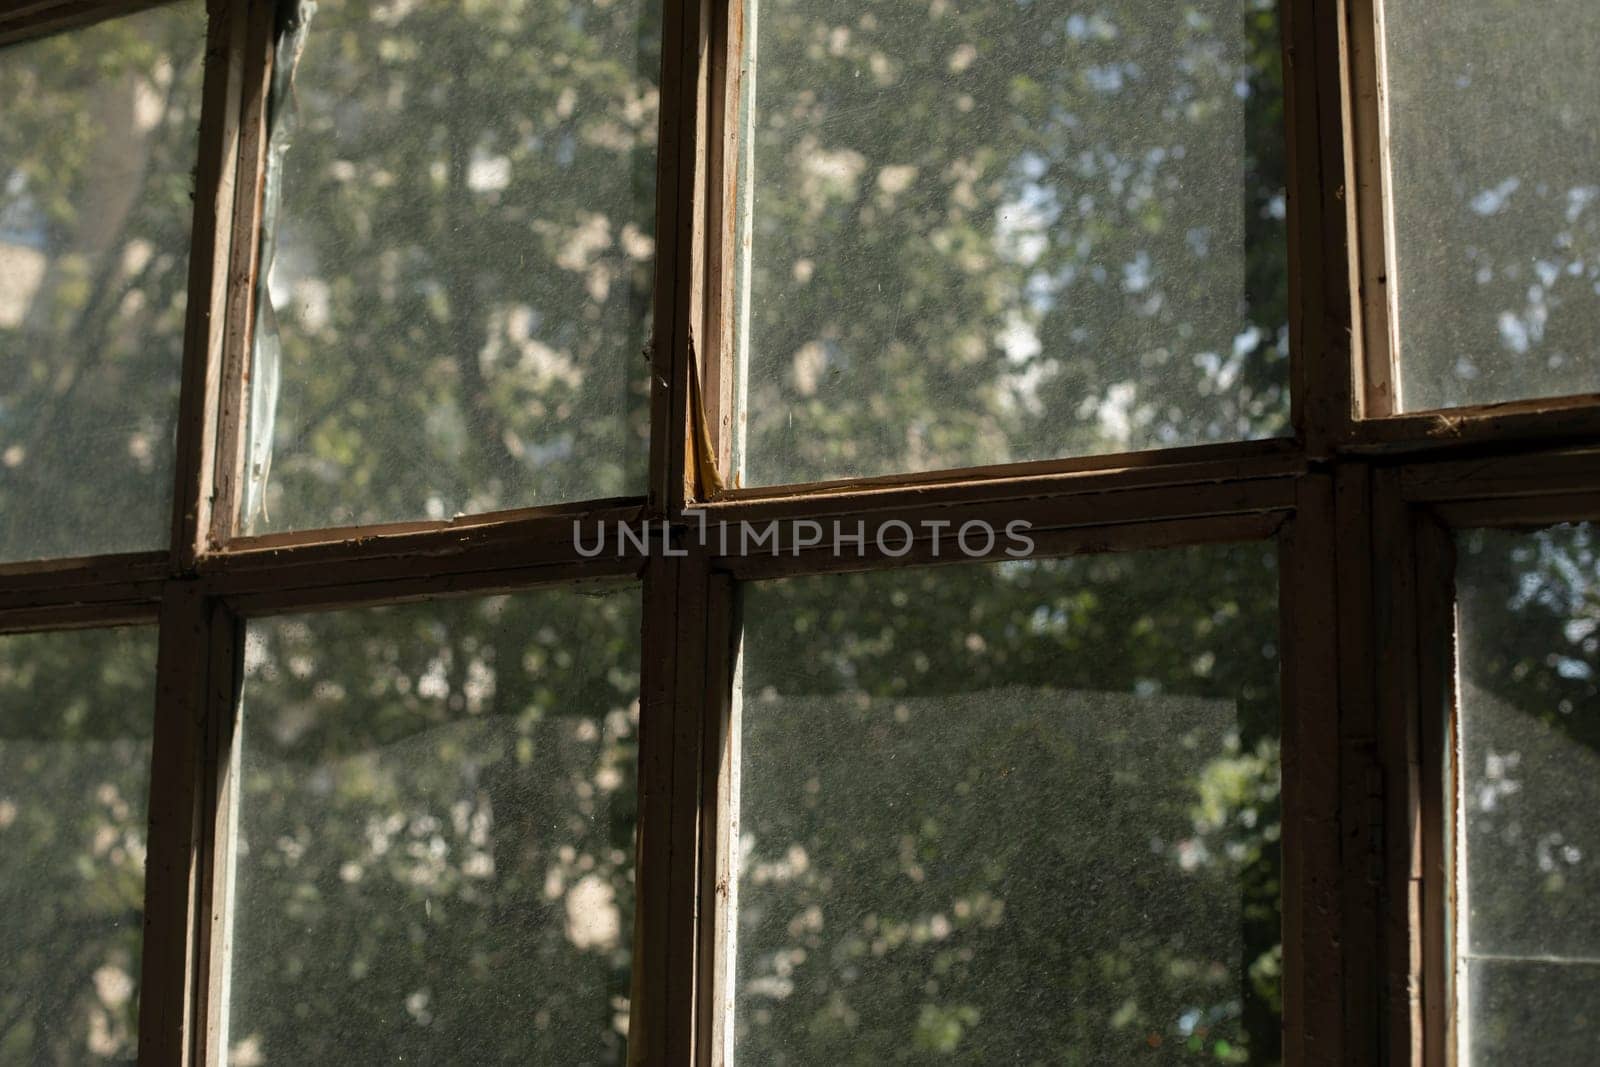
{"x":1494,"y":118}
{"x":458,"y":260}
{"x":1543,"y":1014}
{"x":1014,"y":230}
{"x":75,"y":714}
{"x":1025,"y":813}
{"x":98,"y":131}
{"x":1530,"y":771}
{"x":435,"y":833}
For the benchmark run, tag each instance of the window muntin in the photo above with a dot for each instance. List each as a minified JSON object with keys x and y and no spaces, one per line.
{"x":434,"y":852}
{"x":987,"y":233}
{"x":1492,"y":160}
{"x":1528,"y":969}
{"x":458,"y":243}
{"x":1027,"y":810}
{"x":97,"y":149}
{"x":76,"y":709}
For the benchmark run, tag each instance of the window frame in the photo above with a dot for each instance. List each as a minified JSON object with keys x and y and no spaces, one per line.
{"x":1357,"y":498}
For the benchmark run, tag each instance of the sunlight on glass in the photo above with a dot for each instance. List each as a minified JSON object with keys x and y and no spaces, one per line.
{"x":435,"y":833}
{"x":458,"y":255}
{"x":990,"y":232}
{"x":1025,"y":813}
{"x":1494,"y":140}
{"x":1530,"y":790}
{"x":76,"y":709}
{"x":98,"y":133}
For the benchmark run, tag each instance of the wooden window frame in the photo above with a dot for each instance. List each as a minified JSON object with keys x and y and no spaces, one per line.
{"x":1357,"y":499}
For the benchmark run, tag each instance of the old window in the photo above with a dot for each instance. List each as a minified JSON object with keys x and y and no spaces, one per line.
{"x":774,"y":531}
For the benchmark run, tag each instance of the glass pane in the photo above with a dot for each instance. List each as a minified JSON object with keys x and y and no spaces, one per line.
{"x":1494,"y":139}
{"x":1024,"y":813}
{"x":992,"y":232}
{"x":76,"y":709}
{"x":458,"y":255}
{"x":435,"y":833}
{"x":1530,"y":770}
{"x":98,"y":134}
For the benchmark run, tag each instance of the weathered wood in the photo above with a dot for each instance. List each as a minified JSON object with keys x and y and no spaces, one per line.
{"x":372,"y":554}
{"x":1394,"y":635}
{"x":1237,"y":459}
{"x":232,"y":396}
{"x":723,"y":150}
{"x":1377,"y":367}
{"x":1313,"y":987}
{"x":77,"y":616}
{"x":1571,"y":420}
{"x":1439,"y":787}
{"x":210,"y":241}
{"x":683,"y":164}
{"x":1521,"y":512}
{"x":172,"y":864}
{"x":1109,"y":537}
{"x":218,"y":833}
{"x":1501,"y":476}
{"x":402,"y":585}
{"x":719,"y":810}
{"x":134,"y":578}
{"x":24,"y":20}
{"x":1319,"y":298}
{"x":658,"y":938}
{"x":1360,"y":774}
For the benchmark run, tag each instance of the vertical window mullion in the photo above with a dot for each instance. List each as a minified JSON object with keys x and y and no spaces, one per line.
{"x":227,"y":384}
{"x":1377,"y":372}
{"x":681,"y":241}
{"x":1313,"y":1008}
{"x":217,"y":178}
{"x":1436,"y":709}
{"x":720,"y":831}
{"x":194,"y":696}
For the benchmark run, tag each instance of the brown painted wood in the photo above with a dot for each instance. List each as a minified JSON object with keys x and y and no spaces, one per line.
{"x":1313,"y":1008}
{"x":1218,"y":462}
{"x":1562,"y":420}
{"x":1110,"y":537}
{"x":1520,"y":512}
{"x":210,"y":241}
{"x":1378,"y":364}
{"x":1319,"y":298}
{"x":24,"y":20}
{"x":1360,"y":773}
{"x":134,"y":578}
{"x":1436,"y":709}
{"x":650,"y":1018}
{"x":214,"y":877}
{"x":719,"y":807}
{"x":402,"y":585}
{"x":232,"y":387}
{"x":680,"y":248}
{"x":166,"y":1008}
{"x":722,"y":183}
{"x":1503,"y":475}
{"x":1395,"y":640}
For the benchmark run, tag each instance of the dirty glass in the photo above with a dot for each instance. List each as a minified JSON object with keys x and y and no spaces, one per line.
{"x":1494,"y":141}
{"x":1015,"y":813}
{"x":98,"y":133}
{"x":986,"y":232}
{"x":76,"y":709}
{"x":457,"y":260}
{"x":1529,"y":839}
{"x":434,"y":857}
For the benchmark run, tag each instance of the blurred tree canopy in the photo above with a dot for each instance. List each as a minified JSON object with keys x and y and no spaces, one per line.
{"x":984,"y":232}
